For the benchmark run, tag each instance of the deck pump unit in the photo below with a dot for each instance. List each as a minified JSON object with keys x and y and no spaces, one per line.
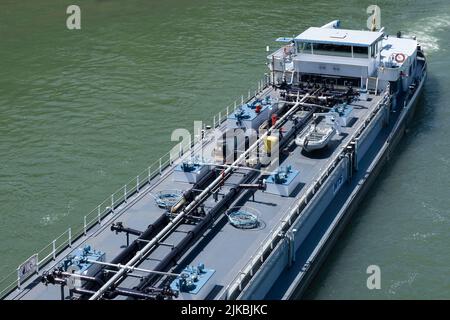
{"x":190,"y":170}
{"x":251,"y":115}
{"x":80,"y":263}
{"x":192,"y":279}
{"x":283,"y":181}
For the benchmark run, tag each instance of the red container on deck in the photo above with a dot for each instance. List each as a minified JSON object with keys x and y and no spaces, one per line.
{"x":274,"y":119}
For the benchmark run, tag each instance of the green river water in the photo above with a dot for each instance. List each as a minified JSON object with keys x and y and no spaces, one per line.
{"x":83,"y":111}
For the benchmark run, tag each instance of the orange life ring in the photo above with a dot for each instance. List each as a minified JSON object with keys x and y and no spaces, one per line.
{"x":400,"y":57}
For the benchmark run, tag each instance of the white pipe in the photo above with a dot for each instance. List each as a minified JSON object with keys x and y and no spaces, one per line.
{"x":121,"y":266}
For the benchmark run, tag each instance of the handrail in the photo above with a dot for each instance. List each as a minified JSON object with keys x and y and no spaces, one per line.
{"x":132,"y":188}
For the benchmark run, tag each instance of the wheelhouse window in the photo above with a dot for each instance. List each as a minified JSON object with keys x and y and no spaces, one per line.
{"x":360,"y":52}
{"x":332,"y":49}
{"x":304,"y":47}
{"x":372,"y":51}
{"x":329,"y":49}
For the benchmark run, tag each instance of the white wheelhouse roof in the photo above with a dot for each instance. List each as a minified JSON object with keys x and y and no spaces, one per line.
{"x":339,"y":36}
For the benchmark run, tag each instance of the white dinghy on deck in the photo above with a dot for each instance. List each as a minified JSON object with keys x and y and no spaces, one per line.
{"x":317,"y":136}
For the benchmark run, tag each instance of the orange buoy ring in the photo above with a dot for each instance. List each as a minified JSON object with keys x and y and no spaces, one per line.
{"x":400,"y":57}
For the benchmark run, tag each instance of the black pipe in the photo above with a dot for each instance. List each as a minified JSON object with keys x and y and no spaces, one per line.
{"x":136,"y":294}
{"x":82,"y":291}
{"x":149,"y":233}
{"x":123,"y":292}
{"x":113,"y":294}
{"x":96,"y":279}
{"x":119,"y":227}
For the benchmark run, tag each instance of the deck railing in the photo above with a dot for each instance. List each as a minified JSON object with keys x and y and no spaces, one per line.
{"x":116,"y":201}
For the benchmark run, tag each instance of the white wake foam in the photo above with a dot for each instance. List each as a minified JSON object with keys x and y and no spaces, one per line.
{"x":426,"y":31}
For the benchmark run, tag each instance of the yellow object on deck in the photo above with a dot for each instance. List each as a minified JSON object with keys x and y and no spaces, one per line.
{"x":269,"y":143}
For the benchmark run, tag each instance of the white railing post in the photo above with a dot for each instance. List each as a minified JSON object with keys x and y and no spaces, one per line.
{"x":214,"y":122}
{"x":219,"y":118}
{"x":125,"y":193}
{"x":227,"y":111}
{"x":235,"y":105}
{"x":84,"y":225}
{"x":160,"y":167}
{"x":112,"y":202}
{"x":249,"y":94}
{"x":54,"y":249}
{"x":242,"y":99}
{"x":18,"y":279}
{"x":137,"y":183}
{"x":70,"y":237}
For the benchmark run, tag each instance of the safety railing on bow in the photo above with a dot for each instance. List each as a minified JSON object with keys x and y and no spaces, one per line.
{"x":123,"y":195}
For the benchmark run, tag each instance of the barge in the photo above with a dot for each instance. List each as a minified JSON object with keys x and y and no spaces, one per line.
{"x":243,"y":211}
